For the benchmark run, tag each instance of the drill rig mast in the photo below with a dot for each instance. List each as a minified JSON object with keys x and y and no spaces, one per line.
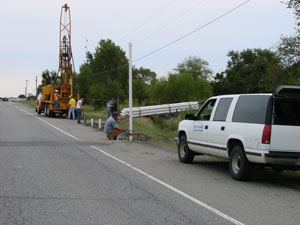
{"x":65,"y":52}
{"x":63,"y":90}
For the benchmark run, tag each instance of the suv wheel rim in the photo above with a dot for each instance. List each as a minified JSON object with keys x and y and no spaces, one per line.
{"x":182,"y":149}
{"x":236,"y":163}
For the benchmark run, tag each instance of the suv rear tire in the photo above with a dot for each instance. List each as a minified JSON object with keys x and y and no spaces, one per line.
{"x":185,"y":155}
{"x":239,"y":166}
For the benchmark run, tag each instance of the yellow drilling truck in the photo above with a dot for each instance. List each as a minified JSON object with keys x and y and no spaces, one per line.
{"x":62,"y":91}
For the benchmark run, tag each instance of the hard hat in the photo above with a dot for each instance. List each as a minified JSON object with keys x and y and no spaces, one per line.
{"x":56,"y":90}
{"x":70,"y":96}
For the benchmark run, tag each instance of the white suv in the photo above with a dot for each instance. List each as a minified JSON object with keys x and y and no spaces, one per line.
{"x":246,"y":129}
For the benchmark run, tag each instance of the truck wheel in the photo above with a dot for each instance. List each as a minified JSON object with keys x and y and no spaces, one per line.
{"x":39,"y":111}
{"x":51,"y":113}
{"x":239,"y":166}
{"x":184,"y":153}
{"x":46,"y":110}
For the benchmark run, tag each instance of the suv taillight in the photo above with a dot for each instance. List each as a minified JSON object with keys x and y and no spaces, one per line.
{"x":266,"y":136}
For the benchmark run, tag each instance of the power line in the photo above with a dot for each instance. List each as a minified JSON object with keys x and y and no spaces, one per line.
{"x":106,"y":71}
{"x":167,"y":24}
{"x":147,"y":20}
{"x":173,"y":42}
{"x":188,"y":34}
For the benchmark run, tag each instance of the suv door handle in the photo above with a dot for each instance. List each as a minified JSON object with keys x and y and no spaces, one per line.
{"x":206,"y":127}
{"x":222,"y":128}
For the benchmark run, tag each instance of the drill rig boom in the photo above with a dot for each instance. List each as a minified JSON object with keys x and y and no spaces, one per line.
{"x":64,"y":89}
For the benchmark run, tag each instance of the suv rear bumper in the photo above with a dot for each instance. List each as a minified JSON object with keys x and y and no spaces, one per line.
{"x":283,"y":158}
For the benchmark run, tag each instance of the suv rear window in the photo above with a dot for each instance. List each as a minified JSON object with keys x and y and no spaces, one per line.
{"x":251,"y":109}
{"x":287,"y":112}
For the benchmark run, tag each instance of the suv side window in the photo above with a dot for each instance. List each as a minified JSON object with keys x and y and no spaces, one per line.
{"x":222,"y":109}
{"x":251,"y":109}
{"x":205,"y":112}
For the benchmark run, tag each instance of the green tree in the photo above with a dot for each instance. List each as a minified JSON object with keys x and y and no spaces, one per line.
{"x":21,"y":96}
{"x":108,"y":64}
{"x":146,"y":75}
{"x":250,"y":71}
{"x":84,"y":80}
{"x":294,"y":4}
{"x":139,"y":90}
{"x":157,"y":91}
{"x":195,"y":66}
{"x":180,"y":88}
{"x":288,"y":48}
{"x":110,"y":60}
{"x":50,"y":78}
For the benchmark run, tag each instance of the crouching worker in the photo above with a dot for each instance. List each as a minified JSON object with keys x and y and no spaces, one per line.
{"x":111,"y":128}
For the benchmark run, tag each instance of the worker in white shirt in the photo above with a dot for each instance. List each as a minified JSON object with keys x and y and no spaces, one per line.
{"x":78,"y":109}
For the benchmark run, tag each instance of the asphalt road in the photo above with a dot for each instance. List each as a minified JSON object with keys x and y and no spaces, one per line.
{"x":54,"y":171}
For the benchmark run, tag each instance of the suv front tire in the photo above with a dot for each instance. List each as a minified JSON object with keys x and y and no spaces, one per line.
{"x":184,"y":153}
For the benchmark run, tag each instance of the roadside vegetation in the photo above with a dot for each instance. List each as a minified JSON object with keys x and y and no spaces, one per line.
{"x":159,"y":129}
{"x":30,"y":102}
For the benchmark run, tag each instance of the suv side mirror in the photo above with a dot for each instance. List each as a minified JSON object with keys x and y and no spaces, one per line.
{"x":189,"y":117}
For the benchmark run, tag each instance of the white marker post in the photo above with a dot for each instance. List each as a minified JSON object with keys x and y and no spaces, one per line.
{"x":99,"y":124}
{"x":130,"y":91}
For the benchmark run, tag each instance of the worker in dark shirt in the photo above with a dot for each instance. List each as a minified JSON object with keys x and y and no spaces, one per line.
{"x":111,"y":128}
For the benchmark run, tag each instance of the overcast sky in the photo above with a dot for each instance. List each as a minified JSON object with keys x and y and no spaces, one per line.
{"x":30,"y":33}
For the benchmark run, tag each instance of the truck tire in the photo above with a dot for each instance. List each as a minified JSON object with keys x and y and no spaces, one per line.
{"x":51,"y":113}
{"x":46,"y":110}
{"x":185,"y":155}
{"x":239,"y":166}
{"x":39,"y":111}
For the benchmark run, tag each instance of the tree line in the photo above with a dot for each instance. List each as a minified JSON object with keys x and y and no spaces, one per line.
{"x":104,"y":74}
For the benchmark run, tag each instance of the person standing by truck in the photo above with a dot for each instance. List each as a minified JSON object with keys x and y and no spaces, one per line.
{"x":108,"y":105}
{"x":71,"y":107}
{"x":55,"y":98}
{"x":114,"y":106}
{"x":78,"y":109}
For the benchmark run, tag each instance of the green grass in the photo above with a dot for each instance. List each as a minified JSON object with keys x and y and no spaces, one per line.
{"x":94,"y":112}
{"x":31,"y":103}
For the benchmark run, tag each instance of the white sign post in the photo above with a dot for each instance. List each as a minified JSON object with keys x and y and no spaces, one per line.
{"x":130,"y":91}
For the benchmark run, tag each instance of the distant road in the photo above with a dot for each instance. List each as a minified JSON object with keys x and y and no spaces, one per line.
{"x":54,"y":171}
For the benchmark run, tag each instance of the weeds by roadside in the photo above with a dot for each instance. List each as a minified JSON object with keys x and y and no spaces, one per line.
{"x":159,"y":129}
{"x":31,"y":103}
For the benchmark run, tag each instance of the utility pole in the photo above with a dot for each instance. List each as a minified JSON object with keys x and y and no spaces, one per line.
{"x":130,"y":91}
{"x":26,"y":88}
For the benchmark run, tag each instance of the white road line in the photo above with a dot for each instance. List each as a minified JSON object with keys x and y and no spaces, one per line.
{"x":198,"y":202}
{"x":70,"y":135}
